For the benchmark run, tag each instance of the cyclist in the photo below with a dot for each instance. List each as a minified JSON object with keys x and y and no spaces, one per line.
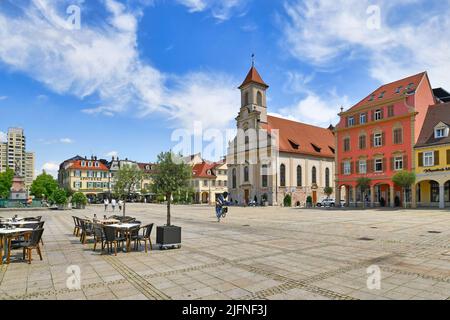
{"x":220,"y":202}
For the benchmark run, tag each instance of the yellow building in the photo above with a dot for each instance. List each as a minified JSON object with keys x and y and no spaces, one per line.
{"x":432,"y":158}
{"x":89,"y":176}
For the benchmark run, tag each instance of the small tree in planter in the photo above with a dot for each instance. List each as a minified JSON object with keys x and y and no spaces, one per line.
{"x":170,"y":177}
{"x":309,"y":201}
{"x":287,"y":201}
{"x":59,"y":197}
{"x":363,"y":184}
{"x":79,"y":200}
{"x":404,"y":179}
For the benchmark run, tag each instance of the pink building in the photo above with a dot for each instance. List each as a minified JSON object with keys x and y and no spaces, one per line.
{"x":375,"y":139}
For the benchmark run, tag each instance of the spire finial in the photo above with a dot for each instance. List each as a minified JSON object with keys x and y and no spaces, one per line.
{"x":253,"y":60}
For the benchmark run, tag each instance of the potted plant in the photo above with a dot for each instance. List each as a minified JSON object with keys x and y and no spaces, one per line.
{"x":172,"y":176}
{"x":79,"y":200}
{"x":287,"y":201}
{"x":59,"y":197}
{"x":309,"y":202}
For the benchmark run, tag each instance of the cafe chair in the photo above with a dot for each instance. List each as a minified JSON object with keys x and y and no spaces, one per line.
{"x":111,"y":238}
{"x":29,"y":245}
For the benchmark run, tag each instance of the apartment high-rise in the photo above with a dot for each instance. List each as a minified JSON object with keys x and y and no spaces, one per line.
{"x":13,"y":155}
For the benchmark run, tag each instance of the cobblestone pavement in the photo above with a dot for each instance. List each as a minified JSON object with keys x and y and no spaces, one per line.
{"x":255,"y":253}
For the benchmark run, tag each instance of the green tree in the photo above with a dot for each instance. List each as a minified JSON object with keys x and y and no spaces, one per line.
{"x":170,"y":177}
{"x":328,"y":191}
{"x":43,"y":186}
{"x":127,"y":180}
{"x":6,"y":179}
{"x":79,"y":199}
{"x":59,"y":196}
{"x":363,"y":184}
{"x":404,"y":179}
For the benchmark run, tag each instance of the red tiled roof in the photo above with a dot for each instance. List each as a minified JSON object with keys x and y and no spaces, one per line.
{"x":201,"y":170}
{"x":253,"y":77}
{"x":77,"y":165}
{"x":390,"y":90}
{"x":143,"y":166}
{"x":301,"y":138}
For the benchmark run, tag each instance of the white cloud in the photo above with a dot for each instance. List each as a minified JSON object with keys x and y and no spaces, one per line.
{"x":51,"y":168}
{"x":103,"y":62}
{"x":325,"y":32}
{"x":3,"y":98}
{"x":66,"y":140}
{"x":3,"y":136}
{"x":220,"y":9}
{"x":112,"y":154}
{"x":325,"y":111}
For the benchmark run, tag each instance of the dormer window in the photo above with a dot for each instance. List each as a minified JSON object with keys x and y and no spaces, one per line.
{"x":316,"y":148}
{"x":147,"y":167}
{"x":351,"y":121}
{"x":89,"y":164}
{"x":399,"y":89}
{"x":294,"y":145}
{"x":372,"y":97}
{"x":381,"y":96}
{"x":97,"y":164}
{"x":83,"y":164}
{"x":441,"y":132}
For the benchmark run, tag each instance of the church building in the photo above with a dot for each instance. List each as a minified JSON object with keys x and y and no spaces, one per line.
{"x":271,"y":157}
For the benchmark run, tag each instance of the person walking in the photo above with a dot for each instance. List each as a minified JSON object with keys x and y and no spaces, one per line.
{"x":120,"y":205}
{"x":106,"y":202}
{"x":113,"y":204}
{"x":220,"y":202}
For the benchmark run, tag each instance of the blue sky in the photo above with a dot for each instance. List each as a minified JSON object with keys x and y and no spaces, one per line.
{"x":136,"y":70}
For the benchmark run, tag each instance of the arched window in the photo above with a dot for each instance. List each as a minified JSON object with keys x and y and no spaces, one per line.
{"x":259,"y":98}
{"x":314,"y":175}
{"x":246,"y":102}
{"x":234,"y":178}
{"x":246,"y":177}
{"x":299,"y":176}
{"x":264,"y":176}
{"x":282,"y":175}
{"x":327,"y":177}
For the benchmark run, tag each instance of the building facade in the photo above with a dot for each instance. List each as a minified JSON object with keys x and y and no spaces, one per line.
{"x":375,"y":139}
{"x":13,"y":155}
{"x":272,"y":157}
{"x":432,"y":155}
{"x":87,"y":175}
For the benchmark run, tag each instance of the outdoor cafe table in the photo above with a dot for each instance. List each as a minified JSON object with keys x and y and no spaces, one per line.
{"x":20,"y":223}
{"x":107,"y":221}
{"x":5,"y":240}
{"x":125,"y":228}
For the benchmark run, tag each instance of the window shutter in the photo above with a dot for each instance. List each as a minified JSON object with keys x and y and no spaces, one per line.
{"x":372,"y":137}
{"x":383,"y":139}
{"x":346,"y":122}
{"x":342,"y":168}
{"x":357,"y":167}
{"x":436,"y":158}
{"x":448,"y":156}
{"x":373,"y":115}
{"x":384,"y":165}
{"x":351,"y":167}
{"x":381,"y":114}
{"x":392,"y":163}
{"x":405,"y":162}
{"x":356,"y":119}
{"x":420,"y":159}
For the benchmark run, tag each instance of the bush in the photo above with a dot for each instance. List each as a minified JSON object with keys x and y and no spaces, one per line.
{"x":79,"y":199}
{"x":287,"y":202}
{"x":59,"y":196}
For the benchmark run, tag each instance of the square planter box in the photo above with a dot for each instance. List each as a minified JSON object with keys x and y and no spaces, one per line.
{"x":168,"y":237}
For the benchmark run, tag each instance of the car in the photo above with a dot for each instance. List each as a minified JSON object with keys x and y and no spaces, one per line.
{"x":326,"y":203}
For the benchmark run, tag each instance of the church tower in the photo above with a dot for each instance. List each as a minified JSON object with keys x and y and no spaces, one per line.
{"x":253,"y":95}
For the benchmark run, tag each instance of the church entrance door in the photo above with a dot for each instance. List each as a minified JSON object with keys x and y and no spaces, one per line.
{"x":247,"y":196}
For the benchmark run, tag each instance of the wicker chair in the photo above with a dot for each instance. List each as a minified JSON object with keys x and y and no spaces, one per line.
{"x":146,"y":233}
{"x":86,"y":230}
{"x":29,"y":245}
{"x":99,"y":235}
{"x":111,"y":238}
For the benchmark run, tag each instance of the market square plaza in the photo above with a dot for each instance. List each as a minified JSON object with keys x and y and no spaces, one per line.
{"x":254,"y":253}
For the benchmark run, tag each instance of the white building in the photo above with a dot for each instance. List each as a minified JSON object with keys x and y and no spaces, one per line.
{"x":272,"y":157}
